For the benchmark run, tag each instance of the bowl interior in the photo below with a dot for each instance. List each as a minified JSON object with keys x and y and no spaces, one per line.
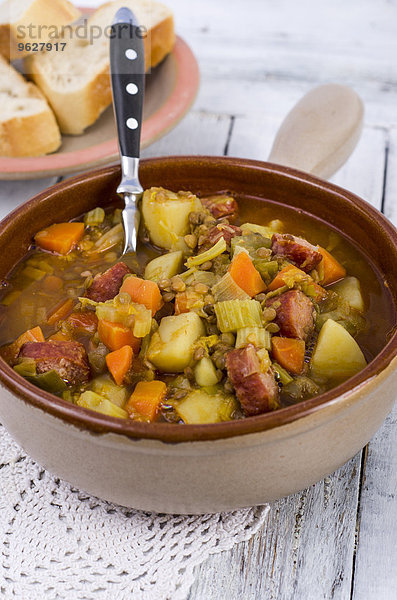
{"x":368,"y":229}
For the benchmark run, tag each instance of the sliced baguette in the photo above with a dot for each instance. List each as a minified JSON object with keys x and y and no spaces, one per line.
{"x":17,"y":15}
{"x":76,"y":81}
{"x":27,"y":124}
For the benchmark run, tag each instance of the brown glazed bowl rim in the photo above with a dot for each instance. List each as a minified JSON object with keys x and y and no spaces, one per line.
{"x":175,"y":433}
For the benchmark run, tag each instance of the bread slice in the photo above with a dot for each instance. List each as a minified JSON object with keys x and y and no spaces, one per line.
{"x":27,"y":124}
{"x":17,"y":15}
{"x":76,"y":81}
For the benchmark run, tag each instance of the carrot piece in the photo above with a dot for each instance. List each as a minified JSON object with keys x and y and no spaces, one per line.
{"x":143,"y":292}
{"x":288,"y":274}
{"x":119,"y":362}
{"x":32,"y":335}
{"x":145,"y":399}
{"x":115,"y":336}
{"x":181,"y":301}
{"x":184,"y":302}
{"x":332,"y":270}
{"x":10,"y":352}
{"x":245,"y":275}
{"x":60,"y":237}
{"x":61,"y":311}
{"x":289,"y":353}
{"x":52,"y":283}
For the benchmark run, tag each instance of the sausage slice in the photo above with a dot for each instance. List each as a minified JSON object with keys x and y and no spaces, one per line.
{"x":107,"y":286}
{"x":295,"y":314}
{"x":68,"y":359}
{"x":257,"y":392}
{"x":216,"y":233}
{"x":299,"y":251}
{"x":221,"y":206}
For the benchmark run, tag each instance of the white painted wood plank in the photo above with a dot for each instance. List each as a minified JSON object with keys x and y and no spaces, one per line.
{"x":285,"y":48}
{"x":288,"y":46}
{"x":375,"y":575}
{"x":253,"y":138}
{"x":306,"y":548}
{"x":304,"y":551}
{"x":198,"y":133}
{"x":369,"y":154}
{"x":275,"y":96}
{"x":13,"y":193}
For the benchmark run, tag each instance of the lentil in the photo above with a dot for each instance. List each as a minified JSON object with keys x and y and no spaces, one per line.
{"x":206,"y":266}
{"x":177,"y":284}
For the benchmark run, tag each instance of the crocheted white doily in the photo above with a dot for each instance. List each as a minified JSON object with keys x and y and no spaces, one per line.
{"x":59,"y":543}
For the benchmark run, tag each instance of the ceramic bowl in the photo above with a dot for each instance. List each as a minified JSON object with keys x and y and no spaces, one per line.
{"x":207,"y":468}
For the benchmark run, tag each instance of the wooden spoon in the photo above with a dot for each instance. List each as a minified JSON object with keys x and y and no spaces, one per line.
{"x":321,"y":131}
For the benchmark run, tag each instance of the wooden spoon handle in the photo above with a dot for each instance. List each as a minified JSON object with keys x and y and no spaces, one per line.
{"x":321,"y":131}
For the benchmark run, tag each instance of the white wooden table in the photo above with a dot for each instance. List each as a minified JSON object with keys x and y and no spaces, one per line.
{"x":337,"y":538}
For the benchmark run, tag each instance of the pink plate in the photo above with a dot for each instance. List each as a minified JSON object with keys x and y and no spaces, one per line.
{"x":170,"y":91}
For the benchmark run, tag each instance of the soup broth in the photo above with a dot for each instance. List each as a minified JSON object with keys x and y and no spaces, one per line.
{"x":264,"y":318}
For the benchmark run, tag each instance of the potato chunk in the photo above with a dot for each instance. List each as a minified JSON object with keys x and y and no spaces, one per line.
{"x":205,"y":372}
{"x":350,"y":290}
{"x":199,"y":408}
{"x":337,"y":354}
{"x":171,"y":346}
{"x":166,"y":216}
{"x":164,"y":266}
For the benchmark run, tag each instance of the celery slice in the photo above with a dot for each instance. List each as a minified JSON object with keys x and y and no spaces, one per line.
{"x":283,"y":375}
{"x":205,"y":277}
{"x":44,"y":266}
{"x":227,"y":289}
{"x":236,"y":314}
{"x":142,"y":324}
{"x":94,"y":217}
{"x":237,"y":249}
{"x":67,"y":395}
{"x":26,"y":368}
{"x":50,"y":381}
{"x":109,"y":239}
{"x":102,"y":405}
{"x":250,"y":242}
{"x":187,"y":274}
{"x":210,"y":254}
{"x":11,"y":297}
{"x":33,"y":273}
{"x":131,"y":314}
{"x":267,"y":268}
{"x":258,"y":336}
{"x":275,"y":226}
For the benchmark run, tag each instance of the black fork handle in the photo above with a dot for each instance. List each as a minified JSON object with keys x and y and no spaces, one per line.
{"x":127,"y":68}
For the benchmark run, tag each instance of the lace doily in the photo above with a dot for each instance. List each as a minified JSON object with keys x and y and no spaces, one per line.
{"x":59,"y":543}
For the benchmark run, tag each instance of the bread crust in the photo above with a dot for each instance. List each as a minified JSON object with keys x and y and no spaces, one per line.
{"x":34,"y":135}
{"x":30,"y":135}
{"x":159,"y":42}
{"x":40,"y":12}
{"x":75,"y":111}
